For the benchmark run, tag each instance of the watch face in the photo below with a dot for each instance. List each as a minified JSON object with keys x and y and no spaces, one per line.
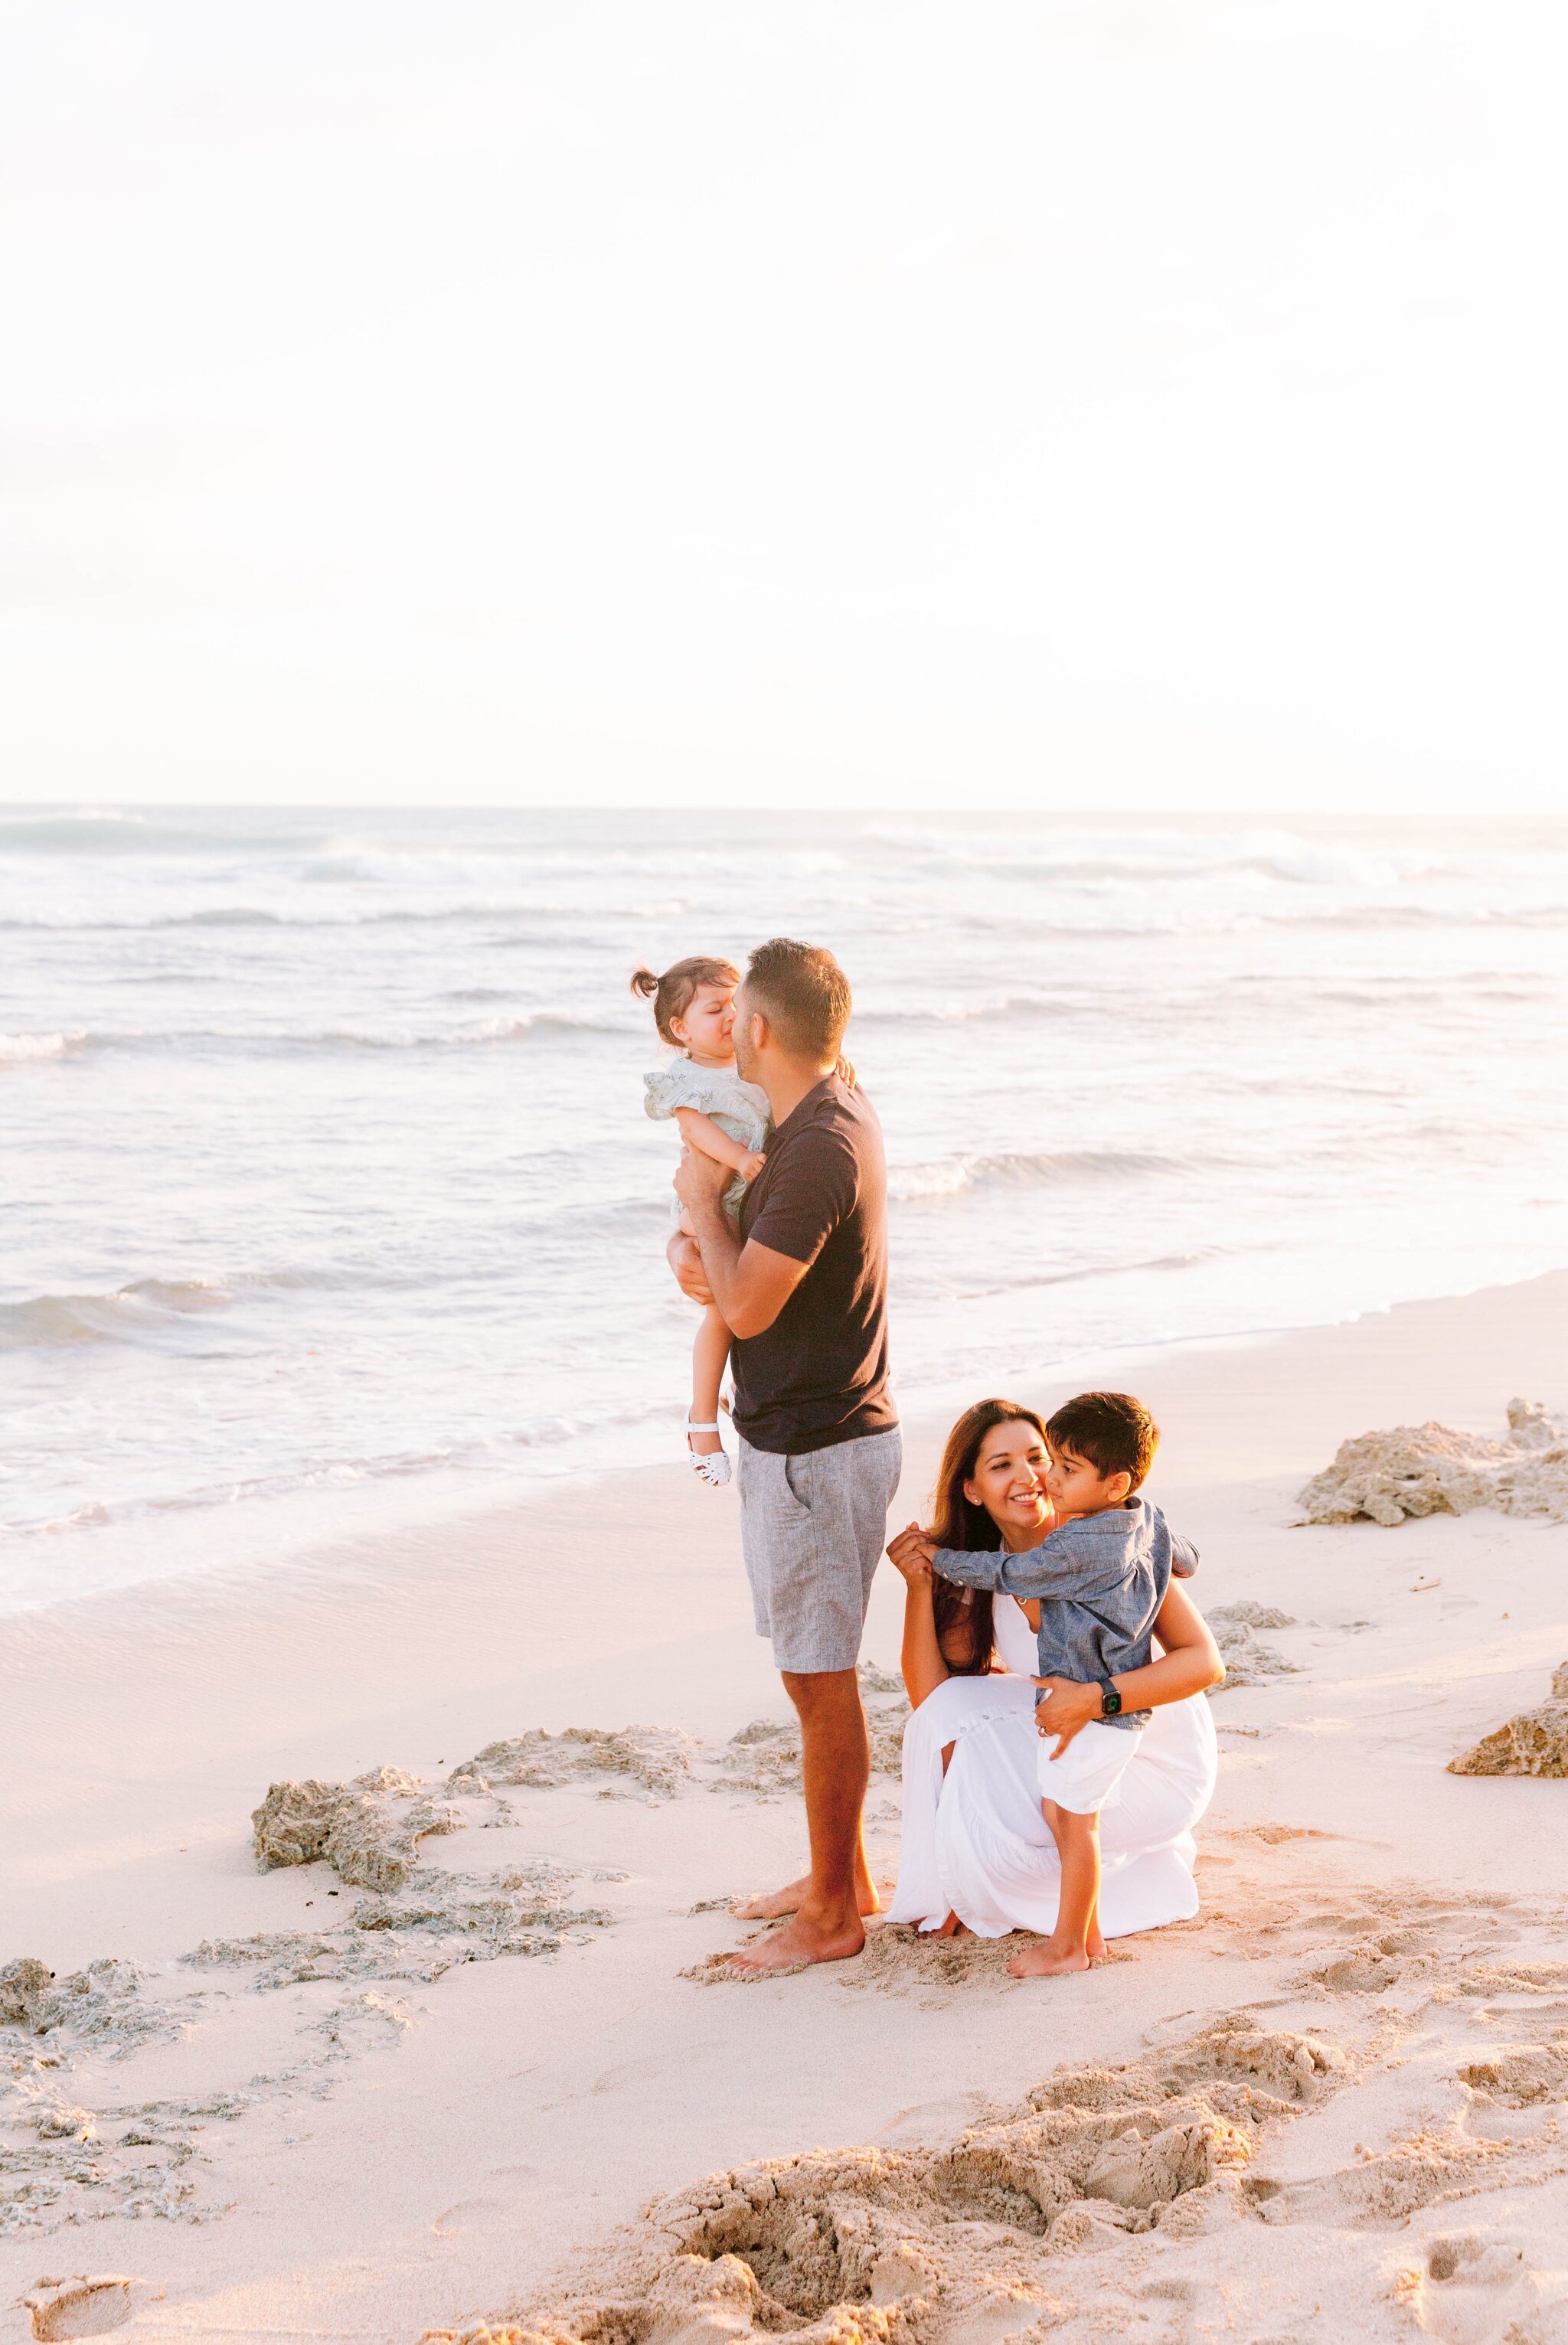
{"x":1110,"y":1700}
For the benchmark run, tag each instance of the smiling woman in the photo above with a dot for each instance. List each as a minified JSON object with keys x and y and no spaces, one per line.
{"x":977,"y":1852}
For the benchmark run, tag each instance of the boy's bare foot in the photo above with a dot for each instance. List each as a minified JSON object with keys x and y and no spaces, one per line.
{"x":798,"y":1943}
{"x":773,"y":1906}
{"x":1047,"y":1960}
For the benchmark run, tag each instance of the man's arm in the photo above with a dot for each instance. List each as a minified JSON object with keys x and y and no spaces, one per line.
{"x":749,"y":1284}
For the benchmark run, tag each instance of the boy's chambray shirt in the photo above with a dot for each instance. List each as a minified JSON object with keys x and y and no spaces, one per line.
{"x":1101,"y":1581}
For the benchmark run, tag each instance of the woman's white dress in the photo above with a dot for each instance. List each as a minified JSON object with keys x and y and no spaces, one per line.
{"x":974,"y":1841}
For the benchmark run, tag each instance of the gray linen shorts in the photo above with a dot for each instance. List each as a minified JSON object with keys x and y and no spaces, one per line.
{"x":813,"y":1530}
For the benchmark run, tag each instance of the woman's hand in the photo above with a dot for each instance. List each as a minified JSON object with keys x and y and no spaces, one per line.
{"x":1065,"y":1709}
{"x":910,"y":1553}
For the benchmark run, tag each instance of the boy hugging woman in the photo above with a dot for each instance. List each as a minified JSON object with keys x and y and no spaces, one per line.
{"x":1100,"y":1577}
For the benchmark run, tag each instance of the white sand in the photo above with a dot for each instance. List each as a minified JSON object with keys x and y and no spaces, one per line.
{"x":444,"y":2149}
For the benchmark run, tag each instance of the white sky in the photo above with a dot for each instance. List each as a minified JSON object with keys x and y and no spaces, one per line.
{"x":1135,"y":404}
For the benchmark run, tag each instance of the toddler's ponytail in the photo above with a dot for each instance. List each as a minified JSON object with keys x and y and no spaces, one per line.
{"x":672,"y":993}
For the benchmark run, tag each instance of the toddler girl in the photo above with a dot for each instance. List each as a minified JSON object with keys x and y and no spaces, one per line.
{"x":720,"y":1116}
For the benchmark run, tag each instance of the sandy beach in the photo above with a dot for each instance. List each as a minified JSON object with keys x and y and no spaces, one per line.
{"x":270,"y":2123}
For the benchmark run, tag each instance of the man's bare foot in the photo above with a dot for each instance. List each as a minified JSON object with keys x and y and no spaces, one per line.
{"x":798,"y":1943}
{"x":951,"y":1928}
{"x":773,"y":1906}
{"x":1047,"y":1960}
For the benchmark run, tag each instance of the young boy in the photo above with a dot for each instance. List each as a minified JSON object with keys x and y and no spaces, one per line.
{"x":1101,"y":1576}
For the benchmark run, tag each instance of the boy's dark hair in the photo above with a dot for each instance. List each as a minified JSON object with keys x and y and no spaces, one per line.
{"x":803,"y":994}
{"x":1114,"y":1432}
{"x":673,"y":994}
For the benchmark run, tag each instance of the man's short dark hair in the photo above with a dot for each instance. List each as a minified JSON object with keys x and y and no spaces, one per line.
{"x":803,"y":994}
{"x":1114,"y":1432}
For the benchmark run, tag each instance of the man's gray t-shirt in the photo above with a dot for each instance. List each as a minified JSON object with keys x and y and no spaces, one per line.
{"x":819,"y":1375}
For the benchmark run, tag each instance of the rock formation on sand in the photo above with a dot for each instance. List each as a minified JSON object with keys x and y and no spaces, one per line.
{"x":659,"y":1758}
{"x":101,"y":2006}
{"x":1429,"y":1469}
{"x":365,"y":1837}
{"x":1533,"y":1743}
{"x":1248,"y":1659}
{"x":442,"y":1920}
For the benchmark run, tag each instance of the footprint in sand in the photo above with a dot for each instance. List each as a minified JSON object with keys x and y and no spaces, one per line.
{"x":989,"y":2225}
{"x":454,"y":2220}
{"x":1472,"y":2291}
{"x":82,"y":2307}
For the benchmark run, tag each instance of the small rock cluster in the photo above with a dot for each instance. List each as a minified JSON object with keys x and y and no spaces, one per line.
{"x":659,"y":1758}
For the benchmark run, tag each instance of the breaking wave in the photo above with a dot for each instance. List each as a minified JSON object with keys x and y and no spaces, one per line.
{"x":19,"y":1049}
{"x":145,"y":1309}
{"x":952,"y":1176}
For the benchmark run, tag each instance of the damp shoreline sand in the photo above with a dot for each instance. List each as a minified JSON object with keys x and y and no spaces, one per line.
{"x":383,"y":2152}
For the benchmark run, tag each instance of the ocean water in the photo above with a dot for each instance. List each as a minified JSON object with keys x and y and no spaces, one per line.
{"x":328,"y":1188}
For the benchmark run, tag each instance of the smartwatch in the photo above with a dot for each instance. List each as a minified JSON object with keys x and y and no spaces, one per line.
{"x":1110,"y":1699}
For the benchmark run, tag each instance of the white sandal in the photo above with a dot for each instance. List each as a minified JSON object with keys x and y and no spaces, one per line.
{"x":713,"y":1469}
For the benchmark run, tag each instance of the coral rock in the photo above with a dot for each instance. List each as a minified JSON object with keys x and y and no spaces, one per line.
{"x":66,"y":2124}
{"x":1248,"y":1659}
{"x":293,"y":1822}
{"x":24,"y":1986}
{"x":1533,"y":1743}
{"x":1429,"y":1469}
{"x":366,"y":1839}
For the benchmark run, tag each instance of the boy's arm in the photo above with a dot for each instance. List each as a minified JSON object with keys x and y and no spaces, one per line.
{"x":1184,"y":1554}
{"x":1038,"y":1572}
{"x":969,"y":1568}
{"x":1067,"y":1562}
{"x":700,"y":1132}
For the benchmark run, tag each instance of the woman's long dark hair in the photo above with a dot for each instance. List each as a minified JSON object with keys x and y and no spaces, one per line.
{"x":959,"y":1523}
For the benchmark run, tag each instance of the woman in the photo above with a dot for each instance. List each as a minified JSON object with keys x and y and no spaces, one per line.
{"x":977,"y":1851}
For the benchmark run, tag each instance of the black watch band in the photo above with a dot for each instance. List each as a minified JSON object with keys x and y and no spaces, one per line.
{"x":1110,"y":1699}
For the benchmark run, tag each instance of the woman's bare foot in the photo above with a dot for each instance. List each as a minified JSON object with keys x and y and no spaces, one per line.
{"x":1097,"y":1947}
{"x":1045,"y":1959}
{"x":798,"y":1943}
{"x":951,"y":1928}
{"x":775,"y":1905}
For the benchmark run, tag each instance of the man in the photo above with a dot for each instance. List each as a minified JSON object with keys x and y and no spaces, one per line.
{"x":804,"y":1290}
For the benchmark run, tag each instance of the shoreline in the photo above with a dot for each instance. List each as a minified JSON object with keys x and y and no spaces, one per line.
{"x":277,"y":1537}
{"x":472,"y":2131}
